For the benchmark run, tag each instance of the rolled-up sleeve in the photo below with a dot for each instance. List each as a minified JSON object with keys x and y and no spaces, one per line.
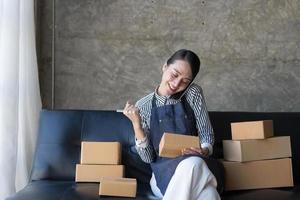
{"x":203,"y":124}
{"x":143,"y":146}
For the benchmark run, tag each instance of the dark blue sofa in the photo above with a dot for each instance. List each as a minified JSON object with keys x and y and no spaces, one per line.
{"x":61,"y":133}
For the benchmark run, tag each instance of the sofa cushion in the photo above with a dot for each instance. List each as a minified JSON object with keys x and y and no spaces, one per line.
{"x":58,"y":145}
{"x":106,"y":126}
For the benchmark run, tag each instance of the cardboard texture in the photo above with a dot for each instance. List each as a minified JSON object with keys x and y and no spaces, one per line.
{"x":250,"y":150}
{"x":171,"y":144}
{"x":252,"y":130}
{"x":100,"y":153}
{"x":93,"y":173}
{"x":122,"y":187}
{"x":258,"y":174}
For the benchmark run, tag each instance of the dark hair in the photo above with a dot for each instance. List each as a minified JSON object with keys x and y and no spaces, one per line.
{"x":192,"y":59}
{"x":188,"y":56}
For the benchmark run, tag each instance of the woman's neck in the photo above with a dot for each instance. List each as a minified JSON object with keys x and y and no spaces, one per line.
{"x":159,"y":92}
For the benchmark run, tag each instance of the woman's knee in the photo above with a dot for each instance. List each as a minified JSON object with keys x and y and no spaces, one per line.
{"x":193,"y":162}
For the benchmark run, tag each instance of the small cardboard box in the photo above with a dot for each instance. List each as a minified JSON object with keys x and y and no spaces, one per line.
{"x":122,"y":187}
{"x":258,"y":174}
{"x":252,"y":130}
{"x":171,"y":144}
{"x":100,"y":153}
{"x":94,"y":173}
{"x":249,"y":150}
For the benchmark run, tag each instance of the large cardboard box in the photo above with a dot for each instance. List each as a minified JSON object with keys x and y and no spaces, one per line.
{"x":171,"y":144}
{"x":94,"y":173}
{"x":249,"y":150}
{"x":252,"y":130}
{"x":100,"y":153}
{"x":258,"y":174}
{"x":122,"y":187}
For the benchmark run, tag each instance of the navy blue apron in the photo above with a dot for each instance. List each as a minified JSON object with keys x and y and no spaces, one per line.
{"x":177,"y":118}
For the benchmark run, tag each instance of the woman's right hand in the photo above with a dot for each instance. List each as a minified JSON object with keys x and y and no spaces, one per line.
{"x":132,"y":113}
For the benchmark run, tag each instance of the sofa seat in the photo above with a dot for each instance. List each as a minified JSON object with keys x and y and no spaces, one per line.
{"x":264,"y":194}
{"x":69,"y":190}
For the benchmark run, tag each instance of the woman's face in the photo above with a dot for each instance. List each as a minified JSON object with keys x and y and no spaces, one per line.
{"x":176,"y":77}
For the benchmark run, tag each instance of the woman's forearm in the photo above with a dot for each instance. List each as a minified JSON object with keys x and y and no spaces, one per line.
{"x":138,"y":131}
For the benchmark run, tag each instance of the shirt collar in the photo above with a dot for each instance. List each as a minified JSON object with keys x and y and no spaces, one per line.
{"x":159,"y":98}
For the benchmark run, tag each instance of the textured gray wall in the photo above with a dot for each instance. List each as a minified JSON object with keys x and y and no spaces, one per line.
{"x":108,"y":51}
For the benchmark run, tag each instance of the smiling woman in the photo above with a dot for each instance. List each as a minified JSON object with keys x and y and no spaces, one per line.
{"x":177,"y":105}
{"x":176,"y":78}
{"x":179,"y":71}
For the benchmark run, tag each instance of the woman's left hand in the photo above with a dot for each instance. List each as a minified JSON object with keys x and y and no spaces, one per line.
{"x":195,"y":150}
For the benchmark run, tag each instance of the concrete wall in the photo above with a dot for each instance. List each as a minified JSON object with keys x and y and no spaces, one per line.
{"x":108,"y":51}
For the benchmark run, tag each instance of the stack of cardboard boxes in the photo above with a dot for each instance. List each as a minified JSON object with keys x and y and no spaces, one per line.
{"x":101,"y":162}
{"x":255,"y":159}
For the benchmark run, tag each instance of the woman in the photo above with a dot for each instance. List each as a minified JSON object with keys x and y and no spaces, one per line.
{"x":176,"y":106}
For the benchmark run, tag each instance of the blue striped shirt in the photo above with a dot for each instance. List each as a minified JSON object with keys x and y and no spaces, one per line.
{"x":194,"y":97}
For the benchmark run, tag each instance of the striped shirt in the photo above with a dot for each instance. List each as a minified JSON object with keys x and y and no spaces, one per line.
{"x":194,"y":97}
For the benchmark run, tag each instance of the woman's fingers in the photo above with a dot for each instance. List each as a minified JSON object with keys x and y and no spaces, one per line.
{"x":131,"y":109}
{"x":132,"y":112}
{"x":195,"y":150}
{"x":127,"y":108}
{"x":188,"y":151}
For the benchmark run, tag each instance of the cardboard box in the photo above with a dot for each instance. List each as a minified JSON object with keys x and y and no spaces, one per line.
{"x":249,"y":150}
{"x":94,"y":173}
{"x":252,"y":130}
{"x":171,"y":145}
{"x":122,"y":187}
{"x":100,"y":153}
{"x":258,"y":174}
